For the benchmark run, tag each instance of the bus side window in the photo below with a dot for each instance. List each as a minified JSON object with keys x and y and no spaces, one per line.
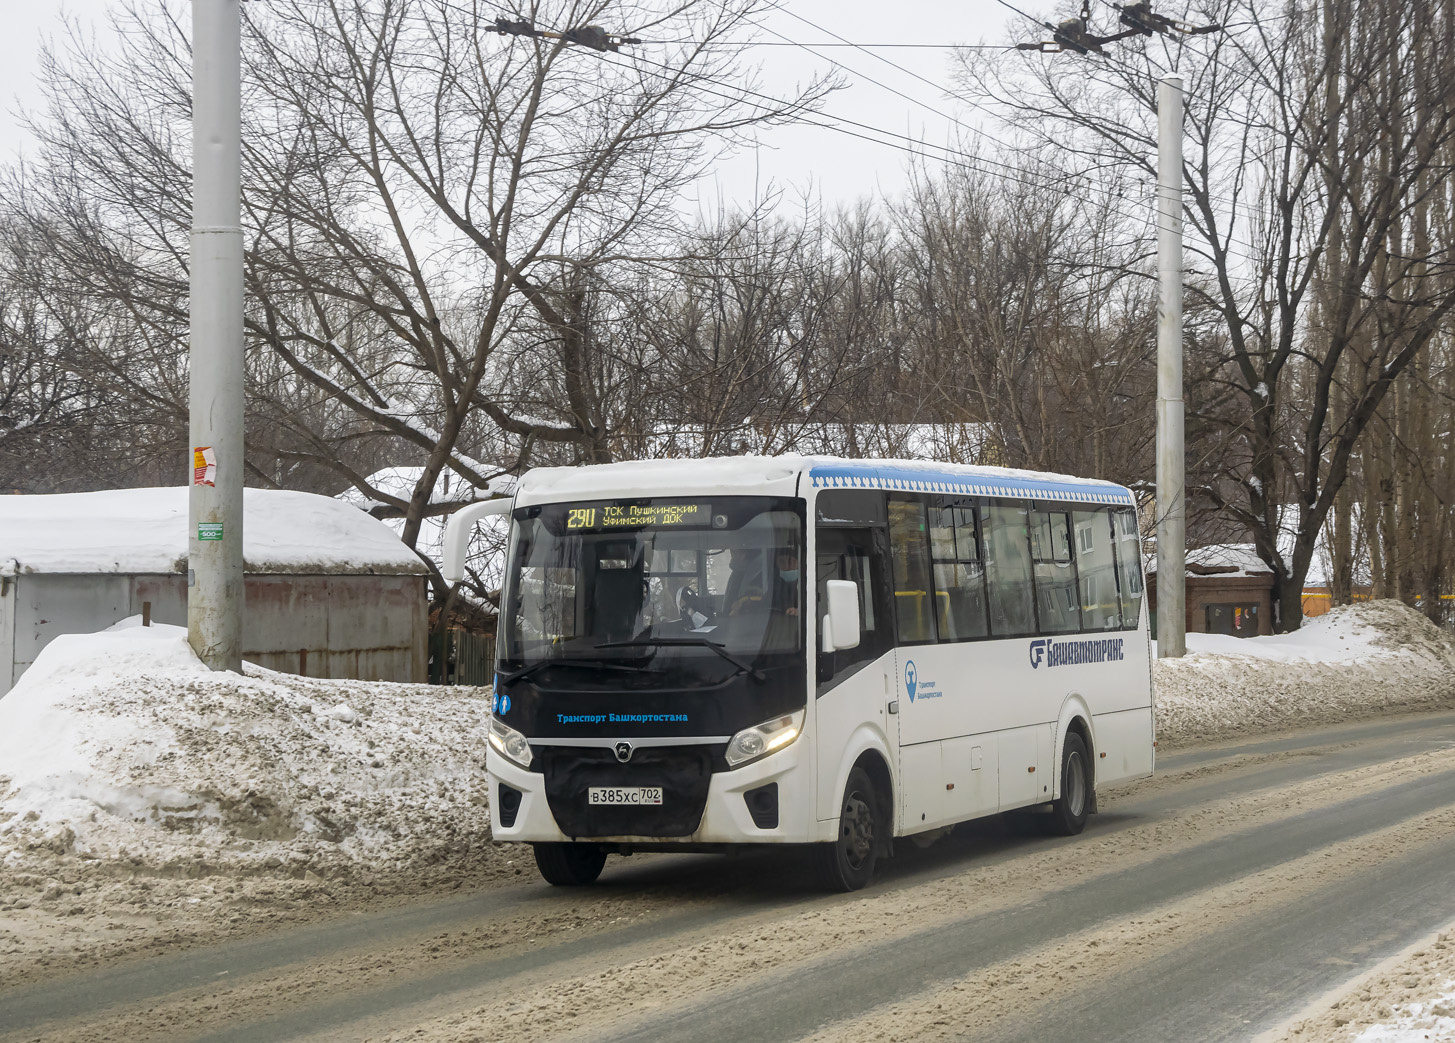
{"x":959,"y":572}
{"x":849,"y":554}
{"x":1096,"y":570}
{"x":1008,"y":571}
{"x":1056,"y":597}
{"x":909,"y":548}
{"x":1129,"y":565}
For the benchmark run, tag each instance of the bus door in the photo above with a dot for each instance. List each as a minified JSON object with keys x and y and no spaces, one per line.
{"x":855,"y":686}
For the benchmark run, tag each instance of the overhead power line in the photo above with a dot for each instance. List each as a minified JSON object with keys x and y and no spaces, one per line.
{"x":1076,"y":35}
{"x":597,"y":39}
{"x":905,"y":143}
{"x":953,"y":157}
{"x":898,"y":93}
{"x":840,"y":43}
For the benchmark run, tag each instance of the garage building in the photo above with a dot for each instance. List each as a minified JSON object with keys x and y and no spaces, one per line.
{"x":330,"y":591}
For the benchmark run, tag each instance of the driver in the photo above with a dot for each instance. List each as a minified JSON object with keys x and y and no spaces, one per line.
{"x":785,"y":584}
{"x":745,"y":581}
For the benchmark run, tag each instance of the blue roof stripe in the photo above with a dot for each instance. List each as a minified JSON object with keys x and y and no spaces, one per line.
{"x":879,"y":477}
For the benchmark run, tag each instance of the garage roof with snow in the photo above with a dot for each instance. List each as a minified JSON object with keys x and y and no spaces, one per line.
{"x":1224,"y":560}
{"x":144,"y":531}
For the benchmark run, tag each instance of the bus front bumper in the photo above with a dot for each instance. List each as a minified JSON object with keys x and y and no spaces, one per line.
{"x":726,"y":817}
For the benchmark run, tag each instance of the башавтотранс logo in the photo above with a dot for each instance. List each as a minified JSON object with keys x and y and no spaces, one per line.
{"x":1075,"y":653}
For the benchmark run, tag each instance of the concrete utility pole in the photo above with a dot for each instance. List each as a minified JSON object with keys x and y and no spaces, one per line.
{"x":1171,"y":503}
{"x":215,"y":525}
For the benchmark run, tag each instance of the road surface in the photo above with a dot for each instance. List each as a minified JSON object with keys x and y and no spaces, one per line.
{"x":1209,"y":903}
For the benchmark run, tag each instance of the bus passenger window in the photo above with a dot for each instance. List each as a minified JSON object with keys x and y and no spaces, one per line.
{"x":959,"y":573}
{"x":1056,"y":596}
{"x":909,"y":547}
{"x":1129,"y":565}
{"x":1096,"y":568}
{"x":1008,"y":571}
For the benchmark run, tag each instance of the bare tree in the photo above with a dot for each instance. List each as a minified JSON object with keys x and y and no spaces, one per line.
{"x":1326,"y":124}
{"x":424,"y":198}
{"x":1031,"y":320}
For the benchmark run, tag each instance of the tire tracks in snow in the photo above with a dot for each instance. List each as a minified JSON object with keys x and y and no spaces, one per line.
{"x":526,"y":974}
{"x":783,"y":980}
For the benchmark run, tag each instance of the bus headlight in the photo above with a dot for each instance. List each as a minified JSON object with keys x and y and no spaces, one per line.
{"x":762,"y":739}
{"x":509,"y":742}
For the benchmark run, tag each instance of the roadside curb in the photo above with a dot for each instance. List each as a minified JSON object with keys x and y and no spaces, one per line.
{"x":1325,"y":1002}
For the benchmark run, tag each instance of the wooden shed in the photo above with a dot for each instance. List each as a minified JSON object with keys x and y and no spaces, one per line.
{"x":1229,"y":591}
{"x":330,"y":591}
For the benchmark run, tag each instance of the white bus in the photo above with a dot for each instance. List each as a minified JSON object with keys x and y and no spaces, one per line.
{"x":807,"y":650}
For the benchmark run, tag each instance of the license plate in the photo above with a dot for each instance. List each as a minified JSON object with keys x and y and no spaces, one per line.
{"x":624,"y":795}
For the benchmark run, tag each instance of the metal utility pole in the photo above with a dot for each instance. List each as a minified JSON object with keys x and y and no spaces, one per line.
{"x":1074,"y":34}
{"x":215,"y":515}
{"x":1171,"y":506}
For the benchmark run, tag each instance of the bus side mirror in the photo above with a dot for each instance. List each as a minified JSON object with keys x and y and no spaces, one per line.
{"x":457,"y":533}
{"x":841,"y":622}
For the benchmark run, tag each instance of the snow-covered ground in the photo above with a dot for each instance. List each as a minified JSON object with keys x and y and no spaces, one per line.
{"x":134,"y":782}
{"x":1355,"y":661}
{"x":1432,"y":1019}
{"x":1410,"y":999}
{"x":144,"y":799}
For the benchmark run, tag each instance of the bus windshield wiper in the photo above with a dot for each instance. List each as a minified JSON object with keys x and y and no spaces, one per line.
{"x":525,"y":671}
{"x":646,"y":642}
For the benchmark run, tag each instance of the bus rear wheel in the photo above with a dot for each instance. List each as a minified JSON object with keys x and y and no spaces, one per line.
{"x":569,"y":865}
{"x":848,"y":863}
{"x":1069,"y":811}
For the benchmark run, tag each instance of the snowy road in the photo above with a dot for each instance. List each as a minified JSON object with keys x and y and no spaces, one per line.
{"x":1209,"y":903}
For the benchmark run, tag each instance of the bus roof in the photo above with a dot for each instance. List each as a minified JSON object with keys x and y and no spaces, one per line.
{"x":779,"y":475}
{"x":930,"y":476}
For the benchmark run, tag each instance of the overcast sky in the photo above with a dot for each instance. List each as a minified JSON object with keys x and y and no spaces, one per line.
{"x":832,"y":166}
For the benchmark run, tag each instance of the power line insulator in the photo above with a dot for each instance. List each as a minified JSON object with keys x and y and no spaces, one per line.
{"x":1074,"y":34}
{"x":1144,"y":21}
{"x":505,"y":27}
{"x":592,"y":36}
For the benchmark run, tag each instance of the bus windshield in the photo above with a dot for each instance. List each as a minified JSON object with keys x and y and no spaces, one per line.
{"x":655,"y":581}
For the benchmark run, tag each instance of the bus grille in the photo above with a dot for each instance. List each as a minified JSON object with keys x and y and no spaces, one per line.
{"x":683,"y":772}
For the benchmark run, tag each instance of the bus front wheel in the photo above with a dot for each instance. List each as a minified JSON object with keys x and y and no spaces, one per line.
{"x":848,"y":863}
{"x":1068,"y":813}
{"x":569,"y":865}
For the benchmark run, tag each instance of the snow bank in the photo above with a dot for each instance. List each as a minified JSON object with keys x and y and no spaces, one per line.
{"x":145,"y":531}
{"x":1416,"y":1022}
{"x":119,"y":749}
{"x":1355,"y":661}
{"x":122,"y":748}
{"x":1410,"y":998}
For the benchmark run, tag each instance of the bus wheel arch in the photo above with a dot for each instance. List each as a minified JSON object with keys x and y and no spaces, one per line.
{"x":873,"y":764}
{"x":1075,"y":719}
{"x":847,"y":863}
{"x":1072,"y":808}
{"x":1079,"y":726}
